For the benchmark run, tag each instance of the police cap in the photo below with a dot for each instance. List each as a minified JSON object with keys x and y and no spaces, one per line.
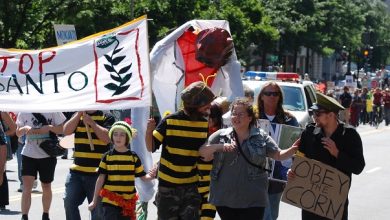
{"x":327,"y":103}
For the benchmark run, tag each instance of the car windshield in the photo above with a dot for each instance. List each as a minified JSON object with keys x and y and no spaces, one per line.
{"x":293,"y":98}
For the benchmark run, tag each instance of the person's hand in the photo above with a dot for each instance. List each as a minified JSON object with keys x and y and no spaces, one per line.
{"x":330,"y":145}
{"x":1,"y":179}
{"x":290,"y":175}
{"x":27,"y":129}
{"x":92,"y":205}
{"x":153,"y":172}
{"x":296,"y":144}
{"x":206,"y":152}
{"x":151,"y":125}
{"x":229,"y":147}
{"x":87,"y":119}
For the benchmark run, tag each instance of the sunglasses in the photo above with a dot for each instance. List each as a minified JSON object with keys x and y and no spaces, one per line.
{"x":275,"y":94}
{"x":319,"y":113}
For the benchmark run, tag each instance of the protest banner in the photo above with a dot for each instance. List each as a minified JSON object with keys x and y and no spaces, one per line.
{"x":317,"y":188}
{"x":107,"y":70}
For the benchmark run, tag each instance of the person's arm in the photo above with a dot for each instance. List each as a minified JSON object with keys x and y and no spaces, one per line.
{"x":71,"y":125}
{"x":351,"y":158}
{"x":206,"y":152}
{"x":21,"y":128}
{"x":100,"y":132}
{"x":213,"y":145}
{"x":58,"y":129}
{"x":287,"y":153}
{"x":151,"y":125}
{"x":10,"y":124}
{"x":3,"y":159}
{"x":98,"y":187}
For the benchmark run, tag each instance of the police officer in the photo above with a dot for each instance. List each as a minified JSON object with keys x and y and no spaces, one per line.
{"x":331,"y":142}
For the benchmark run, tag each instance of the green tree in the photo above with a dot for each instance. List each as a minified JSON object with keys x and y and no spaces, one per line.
{"x":26,"y":24}
{"x":321,"y":25}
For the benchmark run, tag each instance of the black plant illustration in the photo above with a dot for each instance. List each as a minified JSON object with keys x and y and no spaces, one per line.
{"x":121,"y":76}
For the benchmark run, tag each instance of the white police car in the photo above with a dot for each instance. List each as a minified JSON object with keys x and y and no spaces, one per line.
{"x":298,"y":96}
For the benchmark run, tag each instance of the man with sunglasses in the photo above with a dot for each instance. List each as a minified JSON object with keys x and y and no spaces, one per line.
{"x":331,"y":142}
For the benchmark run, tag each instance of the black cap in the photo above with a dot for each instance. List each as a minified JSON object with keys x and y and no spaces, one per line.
{"x":327,"y":103}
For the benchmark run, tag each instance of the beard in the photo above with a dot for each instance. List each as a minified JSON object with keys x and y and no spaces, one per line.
{"x":194,"y":114}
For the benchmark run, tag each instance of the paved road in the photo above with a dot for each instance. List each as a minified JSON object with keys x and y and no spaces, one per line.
{"x":369,"y":194}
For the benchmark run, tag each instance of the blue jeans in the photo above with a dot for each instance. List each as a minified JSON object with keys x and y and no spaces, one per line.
{"x":272,"y":210}
{"x":77,"y":188}
{"x":111,"y":212}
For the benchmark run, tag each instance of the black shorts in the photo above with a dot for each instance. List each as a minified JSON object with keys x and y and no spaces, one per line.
{"x":44,"y":166}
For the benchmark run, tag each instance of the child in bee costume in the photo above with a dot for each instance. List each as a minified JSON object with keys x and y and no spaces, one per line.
{"x":117,"y":171}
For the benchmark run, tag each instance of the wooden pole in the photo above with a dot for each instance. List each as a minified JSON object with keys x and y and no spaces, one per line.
{"x":89,"y":136}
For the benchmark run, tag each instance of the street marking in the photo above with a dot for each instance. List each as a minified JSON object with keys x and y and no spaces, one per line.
{"x":374,"y":170}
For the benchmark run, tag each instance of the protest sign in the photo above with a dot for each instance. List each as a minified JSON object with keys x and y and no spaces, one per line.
{"x":317,"y":188}
{"x":108,"y":70}
{"x":65,"y":33}
{"x":284,"y":136}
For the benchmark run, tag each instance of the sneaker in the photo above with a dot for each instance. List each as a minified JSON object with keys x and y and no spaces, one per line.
{"x":64,"y":157}
{"x":45,"y":216}
{"x":35,"y":184}
{"x":20,"y":188}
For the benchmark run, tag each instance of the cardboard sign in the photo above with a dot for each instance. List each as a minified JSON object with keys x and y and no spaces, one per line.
{"x":317,"y":188}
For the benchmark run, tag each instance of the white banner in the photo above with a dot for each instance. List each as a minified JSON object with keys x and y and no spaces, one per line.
{"x":107,"y":70}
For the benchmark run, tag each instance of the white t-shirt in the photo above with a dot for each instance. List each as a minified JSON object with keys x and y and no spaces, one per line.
{"x":31,"y":146}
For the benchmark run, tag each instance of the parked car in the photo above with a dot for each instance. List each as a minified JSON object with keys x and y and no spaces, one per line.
{"x":298,"y":95}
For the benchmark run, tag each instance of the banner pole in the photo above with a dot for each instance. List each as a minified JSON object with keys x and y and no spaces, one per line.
{"x":151,"y":107}
{"x":89,"y":136}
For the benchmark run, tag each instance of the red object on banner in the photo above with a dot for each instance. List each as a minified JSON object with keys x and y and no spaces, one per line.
{"x":214,"y":46}
{"x":194,"y":70}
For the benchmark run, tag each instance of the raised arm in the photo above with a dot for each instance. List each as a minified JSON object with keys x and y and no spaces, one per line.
{"x":149,"y":134}
{"x":101,"y":132}
{"x":71,"y":125}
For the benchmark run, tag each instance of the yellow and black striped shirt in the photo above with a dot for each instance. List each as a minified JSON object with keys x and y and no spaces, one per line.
{"x":207,"y":210}
{"x":85,"y":160}
{"x":181,"y":139}
{"x":121,"y":169}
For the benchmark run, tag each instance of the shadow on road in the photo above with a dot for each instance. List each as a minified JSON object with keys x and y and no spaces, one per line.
{"x":9,"y":212}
